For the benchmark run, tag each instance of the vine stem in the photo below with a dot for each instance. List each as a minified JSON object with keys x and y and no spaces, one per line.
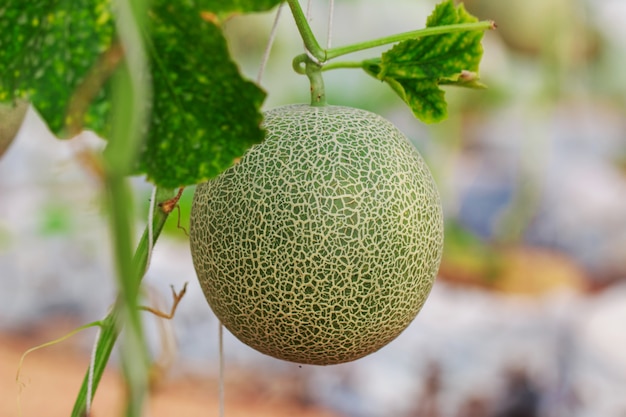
{"x":318,"y":93}
{"x":320,"y":55}
{"x":302,"y":23}
{"x":110,"y":324}
{"x":313,"y":61}
{"x":129,"y":115}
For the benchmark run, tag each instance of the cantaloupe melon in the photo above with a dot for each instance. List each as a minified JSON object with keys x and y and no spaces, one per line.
{"x":321,"y":245}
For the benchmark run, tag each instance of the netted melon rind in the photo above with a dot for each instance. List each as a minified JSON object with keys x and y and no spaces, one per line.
{"x":323,"y":243}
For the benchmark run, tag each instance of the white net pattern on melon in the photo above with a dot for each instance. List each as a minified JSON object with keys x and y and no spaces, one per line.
{"x":322,"y":244}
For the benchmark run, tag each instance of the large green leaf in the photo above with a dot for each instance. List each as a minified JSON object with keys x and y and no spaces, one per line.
{"x":46,"y":50}
{"x":60,"y":55}
{"x":204,"y":114}
{"x":415,"y":68}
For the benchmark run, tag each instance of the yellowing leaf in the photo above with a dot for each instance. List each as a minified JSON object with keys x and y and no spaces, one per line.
{"x":61,"y":54}
{"x":415,"y":68}
{"x":205,"y":114}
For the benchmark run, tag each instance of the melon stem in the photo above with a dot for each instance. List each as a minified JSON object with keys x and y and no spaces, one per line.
{"x":314,"y":73}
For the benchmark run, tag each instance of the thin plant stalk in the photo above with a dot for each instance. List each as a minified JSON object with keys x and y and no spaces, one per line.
{"x":129,"y":116}
{"x":302,"y":23}
{"x":110,"y":324}
{"x":318,"y":93}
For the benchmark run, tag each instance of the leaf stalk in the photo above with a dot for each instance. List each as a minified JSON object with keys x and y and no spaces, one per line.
{"x":320,"y":56}
{"x":414,"y":34}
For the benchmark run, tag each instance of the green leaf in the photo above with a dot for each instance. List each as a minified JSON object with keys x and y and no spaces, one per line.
{"x":61,"y":54}
{"x":205,"y":115}
{"x":46,"y":50}
{"x":415,"y":68}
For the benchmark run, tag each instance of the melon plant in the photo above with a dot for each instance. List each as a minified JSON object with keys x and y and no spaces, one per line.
{"x":322,"y":244}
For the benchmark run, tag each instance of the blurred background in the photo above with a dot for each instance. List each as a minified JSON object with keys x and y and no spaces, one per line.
{"x":528,"y":316}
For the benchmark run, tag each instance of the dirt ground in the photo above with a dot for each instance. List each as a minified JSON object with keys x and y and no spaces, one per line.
{"x":51,"y":377}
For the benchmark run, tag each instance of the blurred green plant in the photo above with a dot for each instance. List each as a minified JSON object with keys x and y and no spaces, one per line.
{"x":55,"y":219}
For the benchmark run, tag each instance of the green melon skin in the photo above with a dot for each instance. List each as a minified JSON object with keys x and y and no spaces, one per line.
{"x":321,"y":245}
